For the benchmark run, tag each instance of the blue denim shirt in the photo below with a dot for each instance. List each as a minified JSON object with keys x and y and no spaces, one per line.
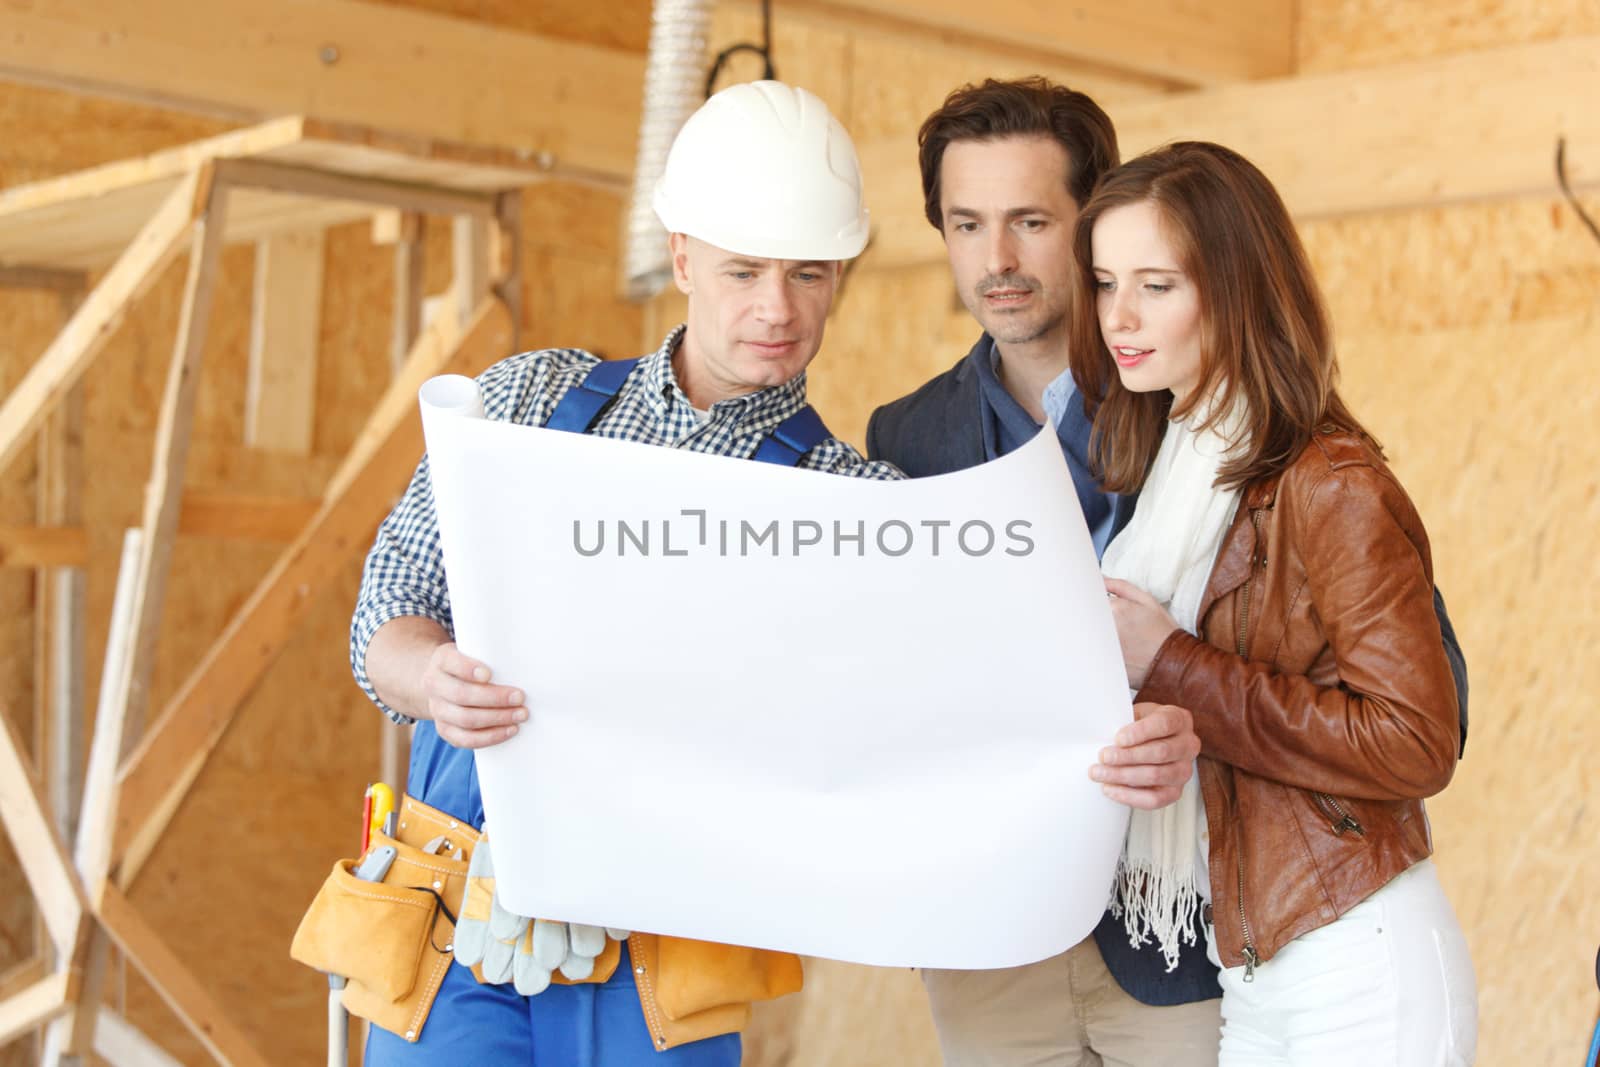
{"x":1007,"y":426}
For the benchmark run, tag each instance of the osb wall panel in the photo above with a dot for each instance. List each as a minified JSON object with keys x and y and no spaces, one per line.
{"x":1344,"y":34}
{"x":1467,"y":339}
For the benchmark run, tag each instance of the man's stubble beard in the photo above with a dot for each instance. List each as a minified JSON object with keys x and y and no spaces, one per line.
{"x":1024,"y":332}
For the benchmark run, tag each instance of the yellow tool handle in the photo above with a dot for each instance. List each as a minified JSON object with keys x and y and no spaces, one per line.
{"x":382,"y":803}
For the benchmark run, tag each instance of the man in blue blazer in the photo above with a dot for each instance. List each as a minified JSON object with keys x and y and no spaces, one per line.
{"x":1005,"y":168}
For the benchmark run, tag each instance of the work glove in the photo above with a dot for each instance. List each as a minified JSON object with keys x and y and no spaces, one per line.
{"x":514,"y":948}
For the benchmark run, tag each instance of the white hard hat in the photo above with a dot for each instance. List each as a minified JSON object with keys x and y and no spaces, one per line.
{"x":764,"y":169}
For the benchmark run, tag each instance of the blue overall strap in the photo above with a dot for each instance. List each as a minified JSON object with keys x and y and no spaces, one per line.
{"x":794,"y":437}
{"x":582,"y":405}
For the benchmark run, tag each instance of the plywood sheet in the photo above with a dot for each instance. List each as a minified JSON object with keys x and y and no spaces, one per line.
{"x":1346,"y":34}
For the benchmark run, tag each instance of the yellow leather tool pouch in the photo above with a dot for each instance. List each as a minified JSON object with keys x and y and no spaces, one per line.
{"x":369,"y":932}
{"x":694,"y":976}
{"x":391,"y":939}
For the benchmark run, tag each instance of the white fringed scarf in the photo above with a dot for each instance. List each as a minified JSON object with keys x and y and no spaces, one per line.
{"x":1168,"y":550}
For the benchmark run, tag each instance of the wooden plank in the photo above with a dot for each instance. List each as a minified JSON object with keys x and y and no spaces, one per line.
{"x":60,"y":612}
{"x":1476,"y":126}
{"x":71,"y":236}
{"x":185,"y":994}
{"x":331,"y":185}
{"x":341,"y":147}
{"x":39,"y":849}
{"x":410,"y":266}
{"x":285,"y":333}
{"x":164,"y":490}
{"x":92,"y":850}
{"x":44,"y":546}
{"x":45,"y":228}
{"x":251,"y":59}
{"x":244,"y":517}
{"x":387,"y":225}
{"x":505,"y":260}
{"x":71,"y":282}
{"x":1176,"y":41}
{"x":73,"y":1035}
{"x":75,"y":347}
{"x":395,"y":154}
{"x":159,"y":171}
{"x":225,"y":516}
{"x":158,"y":774}
{"x":469,"y":251}
{"x":119,"y":1042}
{"x":20,"y":976}
{"x":34,"y":1006}
{"x":406,"y":322}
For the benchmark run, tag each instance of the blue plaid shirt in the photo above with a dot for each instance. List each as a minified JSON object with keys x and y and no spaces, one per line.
{"x":404,"y":572}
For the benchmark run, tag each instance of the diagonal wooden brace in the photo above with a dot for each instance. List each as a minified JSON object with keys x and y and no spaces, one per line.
{"x":76,"y":346}
{"x":40,"y":850}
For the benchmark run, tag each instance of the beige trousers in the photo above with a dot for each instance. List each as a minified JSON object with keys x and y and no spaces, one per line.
{"x":1066,"y":1011}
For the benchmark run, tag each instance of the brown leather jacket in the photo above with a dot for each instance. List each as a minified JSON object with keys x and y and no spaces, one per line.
{"x":1321,"y":694}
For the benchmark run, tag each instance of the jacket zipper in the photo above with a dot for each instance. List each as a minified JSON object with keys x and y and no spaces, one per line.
{"x":1342,"y":820}
{"x":1251,"y":957}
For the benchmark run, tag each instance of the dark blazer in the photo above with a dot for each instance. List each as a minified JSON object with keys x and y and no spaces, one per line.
{"x":938,"y":429}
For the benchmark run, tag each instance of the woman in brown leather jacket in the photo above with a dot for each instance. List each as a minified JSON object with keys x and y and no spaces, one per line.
{"x":1276,"y":580}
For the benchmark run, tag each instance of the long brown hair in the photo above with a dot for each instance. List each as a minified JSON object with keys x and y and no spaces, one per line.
{"x":1265,"y":338}
{"x":1026,"y":107}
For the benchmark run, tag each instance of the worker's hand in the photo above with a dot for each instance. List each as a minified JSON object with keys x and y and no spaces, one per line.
{"x":513,"y":948}
{"x":467,"y":710}
{"x":1142,"y":625}
{"x":1152,"y":758}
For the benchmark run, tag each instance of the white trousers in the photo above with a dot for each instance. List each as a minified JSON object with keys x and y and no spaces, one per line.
{"x":1389,"y":984}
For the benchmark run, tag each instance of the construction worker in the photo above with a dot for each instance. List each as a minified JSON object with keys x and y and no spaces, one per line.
{"x":762,"y":198}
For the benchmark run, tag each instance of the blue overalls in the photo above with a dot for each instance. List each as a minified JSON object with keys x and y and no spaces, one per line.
{"x":590,"y":1025}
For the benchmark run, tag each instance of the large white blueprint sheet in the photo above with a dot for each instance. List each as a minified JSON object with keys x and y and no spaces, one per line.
{"x":778,"y":708}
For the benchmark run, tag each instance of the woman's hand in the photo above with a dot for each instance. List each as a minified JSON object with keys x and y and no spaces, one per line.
{"x":1142,"y":626}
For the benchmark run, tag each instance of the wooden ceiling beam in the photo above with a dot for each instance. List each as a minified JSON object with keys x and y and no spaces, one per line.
{"x":574,"y":105}
{"x":1173,"y":42}
{"x":1476,"y":126}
